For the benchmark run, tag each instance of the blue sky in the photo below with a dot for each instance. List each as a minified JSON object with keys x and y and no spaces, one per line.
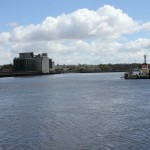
{"x":34,"y":11}
{"x":22,"y":20}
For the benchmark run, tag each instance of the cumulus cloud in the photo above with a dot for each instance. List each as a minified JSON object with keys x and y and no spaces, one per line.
{"x":5,"y":57}
{"x":105,"y":23}
{"x":4,"y":37}
{"x":80,"y":24}
{"x":83,"y":36}
{"x":13,"y":24}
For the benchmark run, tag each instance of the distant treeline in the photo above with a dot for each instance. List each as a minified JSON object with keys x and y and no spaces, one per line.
{"x":6,"y":68}
{"x":84,"y":68}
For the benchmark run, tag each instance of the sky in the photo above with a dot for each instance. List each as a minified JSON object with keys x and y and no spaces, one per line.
{"x":73,"y":32}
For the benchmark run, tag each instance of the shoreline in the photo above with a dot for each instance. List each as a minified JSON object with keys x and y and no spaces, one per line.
{"x":18,"y":74}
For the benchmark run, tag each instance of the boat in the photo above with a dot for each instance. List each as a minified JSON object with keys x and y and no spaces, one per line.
{"x":143,"y":73}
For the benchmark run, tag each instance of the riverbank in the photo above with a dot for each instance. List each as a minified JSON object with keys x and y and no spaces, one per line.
{"x":17,"y":74}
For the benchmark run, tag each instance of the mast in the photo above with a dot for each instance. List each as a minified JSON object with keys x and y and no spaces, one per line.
{"x":145,"y":60}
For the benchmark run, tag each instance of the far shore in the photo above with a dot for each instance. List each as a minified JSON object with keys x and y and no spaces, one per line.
{"x":18,"y":74}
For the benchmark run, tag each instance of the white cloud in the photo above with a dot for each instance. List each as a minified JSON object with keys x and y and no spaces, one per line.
{"x":138,"y":45}
{"x":105,"y":23}
{"x":83,"y":36}
{"x":4,"y":37}
{"x":5,"y":57}
{"x":13,"y":24}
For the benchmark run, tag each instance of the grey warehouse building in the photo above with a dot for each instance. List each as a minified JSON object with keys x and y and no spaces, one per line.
{"x":28,"y":62}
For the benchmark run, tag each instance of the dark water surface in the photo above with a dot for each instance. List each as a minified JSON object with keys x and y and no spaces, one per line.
{"x":74,"y":112}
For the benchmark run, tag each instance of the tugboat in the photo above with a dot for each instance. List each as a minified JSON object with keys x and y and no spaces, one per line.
{"x":143,"y":73}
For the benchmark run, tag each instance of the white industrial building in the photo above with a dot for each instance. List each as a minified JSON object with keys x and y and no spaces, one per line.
{"x":42,"y":63}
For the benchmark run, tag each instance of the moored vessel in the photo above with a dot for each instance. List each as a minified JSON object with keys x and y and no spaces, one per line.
{"x":142,"y":73}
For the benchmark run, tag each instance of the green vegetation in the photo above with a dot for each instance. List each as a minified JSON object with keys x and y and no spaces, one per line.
{"x":6,"y":68}
{"x":84,"y":68}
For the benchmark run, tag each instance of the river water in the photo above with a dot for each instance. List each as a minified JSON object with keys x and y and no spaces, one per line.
{"x":97,"y":111}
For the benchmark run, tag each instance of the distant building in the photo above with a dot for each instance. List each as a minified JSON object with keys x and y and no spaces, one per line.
{"x":25,"y":62}
{"x":28,"y":62}
{"x":51,"y":65}
{"x":42,"y":63}
{"x":26,"y":55}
